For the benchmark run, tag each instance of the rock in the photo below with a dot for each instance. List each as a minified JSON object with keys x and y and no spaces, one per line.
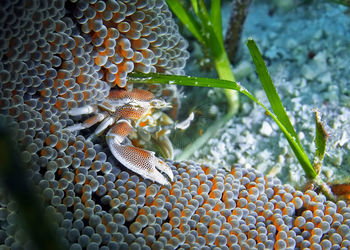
{"x":243,"y":69}
{"x":309,"y":71}
{"x":266,"y":129}
{"x":325,"y":77}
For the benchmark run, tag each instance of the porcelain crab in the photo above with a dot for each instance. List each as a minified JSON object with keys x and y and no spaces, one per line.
{"x":118,"y":111}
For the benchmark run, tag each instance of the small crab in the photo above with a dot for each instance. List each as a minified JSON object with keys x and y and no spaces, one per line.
{"x":118,"y":110}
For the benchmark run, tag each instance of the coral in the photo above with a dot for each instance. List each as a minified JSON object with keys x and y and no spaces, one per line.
{"x":49,"y":66}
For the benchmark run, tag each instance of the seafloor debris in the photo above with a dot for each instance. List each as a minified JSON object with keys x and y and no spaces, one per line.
{"x":48,"y":67}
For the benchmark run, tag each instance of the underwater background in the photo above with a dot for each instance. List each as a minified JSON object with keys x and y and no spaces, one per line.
{"x":306,"y":55}
{"x":243,"y":189}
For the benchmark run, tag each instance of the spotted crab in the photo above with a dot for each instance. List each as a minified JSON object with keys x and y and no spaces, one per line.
{"x":118,"y":111}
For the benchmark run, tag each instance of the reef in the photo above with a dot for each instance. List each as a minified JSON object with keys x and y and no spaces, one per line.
{"x":57,"y":56}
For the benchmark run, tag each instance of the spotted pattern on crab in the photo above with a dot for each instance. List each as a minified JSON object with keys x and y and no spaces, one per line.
{"x":118,"y":109}
{"x":136,"y":159}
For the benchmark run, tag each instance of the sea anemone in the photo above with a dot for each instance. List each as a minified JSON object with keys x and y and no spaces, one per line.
{"x":56,"y":56}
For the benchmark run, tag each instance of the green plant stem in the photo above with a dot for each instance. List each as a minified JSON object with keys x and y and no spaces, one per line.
{"x":280,"y":115}
{"x":224,"y":71}
{"x":186,"y":18}
{"x":207,"y":28}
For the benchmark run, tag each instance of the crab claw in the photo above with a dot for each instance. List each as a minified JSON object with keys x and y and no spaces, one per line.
{"x":165,"y":145}
{"x":163,"y":167}
{"x":138,"y":160}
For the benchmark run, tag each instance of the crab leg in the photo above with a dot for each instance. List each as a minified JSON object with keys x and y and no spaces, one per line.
{"x":88,"y":109}
{"x":107,"y":106}
{"x":87,"y":123}
{"x":138,"y":160}
{"x":162,"y":140}
{"x":102,"y":127}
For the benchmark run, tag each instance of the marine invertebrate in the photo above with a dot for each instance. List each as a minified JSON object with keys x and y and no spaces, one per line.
{"x":47,"y":68}
{"x":95,"y":202}
{"x":132,"y":35}
{"x":127,"y":36}
{"x":207,"y":207}
{"x":118,"y":106}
